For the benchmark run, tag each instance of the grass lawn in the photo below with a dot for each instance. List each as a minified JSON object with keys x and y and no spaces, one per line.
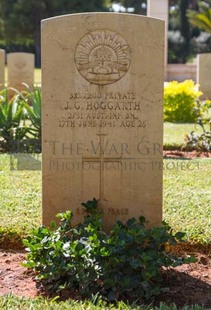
{"x":174,"y":134}
{"x":11,"y":302}
{"x":187,"y":197}
{"x":186,"y":188}
{"x":20,"y":191}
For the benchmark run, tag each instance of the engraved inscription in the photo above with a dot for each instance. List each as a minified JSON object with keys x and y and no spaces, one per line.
{"x":102,"y":57}
{"x":102,"y":109}
{"x":109,"y":211}
{"x":20,"y":63}
{"x":20,"y":70}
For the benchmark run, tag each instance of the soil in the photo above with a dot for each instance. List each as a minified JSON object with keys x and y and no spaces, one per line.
{"x":185,"y":154}
{"x":186,"y":284}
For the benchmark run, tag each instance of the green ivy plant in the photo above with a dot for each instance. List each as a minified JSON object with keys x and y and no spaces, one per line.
{"x":123,"y":264}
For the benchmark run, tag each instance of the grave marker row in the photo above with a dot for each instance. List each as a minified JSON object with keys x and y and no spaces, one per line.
{"x":203,"y":77}
{"x":2,"y":64}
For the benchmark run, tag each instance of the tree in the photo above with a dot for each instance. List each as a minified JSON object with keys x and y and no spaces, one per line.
{"x":185,"y":39}
{"x":184,"y":26}
{"x":138,"y":5}
{"x":21,"y":18}
{"x":201,"y":18}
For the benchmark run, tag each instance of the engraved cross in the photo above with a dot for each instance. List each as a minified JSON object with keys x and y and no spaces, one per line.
{"x":101,"y":159}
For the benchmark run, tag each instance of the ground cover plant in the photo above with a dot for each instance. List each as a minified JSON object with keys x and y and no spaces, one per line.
{"x":189,"y":281}
{"x":124,"y":264}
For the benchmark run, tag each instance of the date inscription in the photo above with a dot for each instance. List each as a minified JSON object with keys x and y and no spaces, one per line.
{"x":109,"y":109}
{"x":107,"y":211}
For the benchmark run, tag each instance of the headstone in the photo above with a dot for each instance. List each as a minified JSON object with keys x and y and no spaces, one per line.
{"x":2,"y":68}
{"x":204,"y":74}
{"x":102,"y":86}
{"x":159,"y":9}
{"x":20,"y":70}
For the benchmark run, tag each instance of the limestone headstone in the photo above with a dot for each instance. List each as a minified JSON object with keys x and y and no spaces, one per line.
{"x":102,"y":85}
{"x":159,"y":9}
{"x":20,"y":70}
{"x":204,"y":74}
{"x":2,"y":68}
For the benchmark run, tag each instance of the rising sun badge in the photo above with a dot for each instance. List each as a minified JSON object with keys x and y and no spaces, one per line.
{"x":102,"y":57}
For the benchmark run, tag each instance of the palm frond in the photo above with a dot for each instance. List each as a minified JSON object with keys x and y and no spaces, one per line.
{"x":201,"y":19}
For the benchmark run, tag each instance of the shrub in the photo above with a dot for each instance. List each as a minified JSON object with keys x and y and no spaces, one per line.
{"x":181,"y":102}
{"x":31,"y":101}
{"x":20,"y":121}
{"x":12,"y":121}
{"x":124,"y":264}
